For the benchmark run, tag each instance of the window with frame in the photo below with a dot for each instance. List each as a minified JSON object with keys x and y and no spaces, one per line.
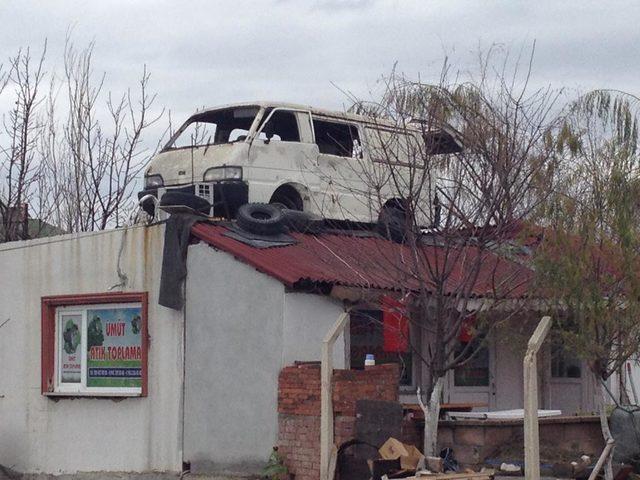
{"x":281,"y":126}
{"x":95,"y":345}
{"x":475,"y":372}
{"x":214,"y":128}
{"x":564,"y":364}
{"x":367,"y":336}
{"x":391,"y":146}
{"x":340,"y":139}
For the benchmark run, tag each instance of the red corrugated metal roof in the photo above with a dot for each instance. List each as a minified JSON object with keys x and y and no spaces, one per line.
{"x":372,"y":262}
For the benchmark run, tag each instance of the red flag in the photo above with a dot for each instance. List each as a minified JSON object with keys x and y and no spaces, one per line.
{"x":466,"y":329}
{"x":395,"y":325}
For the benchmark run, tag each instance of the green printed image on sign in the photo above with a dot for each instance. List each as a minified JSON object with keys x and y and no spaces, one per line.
{"x":114,"y":347}
{"x":70,"y":352}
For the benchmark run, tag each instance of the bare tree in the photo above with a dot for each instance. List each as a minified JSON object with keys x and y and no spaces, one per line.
{"x":100,"y":154}
{"x":458,"y":215}
{"x":23,"y":126}
{"x":71,"y":153}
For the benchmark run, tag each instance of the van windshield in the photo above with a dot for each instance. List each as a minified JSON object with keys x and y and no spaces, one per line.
{"x":214,"y":128}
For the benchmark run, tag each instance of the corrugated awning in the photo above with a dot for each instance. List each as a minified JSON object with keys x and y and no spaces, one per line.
{"x":372,"y":262}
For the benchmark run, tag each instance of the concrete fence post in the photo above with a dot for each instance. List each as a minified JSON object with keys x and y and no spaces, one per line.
{"x":326,"y":406}
{"x":531,"y":432}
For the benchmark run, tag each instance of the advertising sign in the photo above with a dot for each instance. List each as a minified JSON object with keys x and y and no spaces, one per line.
{"x":70,"y":351}
{"x":114,"y":347}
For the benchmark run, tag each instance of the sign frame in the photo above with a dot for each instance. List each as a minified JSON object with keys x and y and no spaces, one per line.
{"x":56,"y":308}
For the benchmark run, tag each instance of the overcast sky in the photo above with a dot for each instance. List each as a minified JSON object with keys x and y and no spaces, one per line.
{"x":204,"y":53}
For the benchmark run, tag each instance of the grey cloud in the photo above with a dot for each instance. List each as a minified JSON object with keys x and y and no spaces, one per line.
{"x":212,"y":52}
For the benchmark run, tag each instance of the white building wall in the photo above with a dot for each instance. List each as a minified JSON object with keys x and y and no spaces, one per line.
{"x":241,"y":329}
{"x":40,"y":434}
{"x":308,"y":318}
{"x":233,"y":351}
{"x":622,"y":388}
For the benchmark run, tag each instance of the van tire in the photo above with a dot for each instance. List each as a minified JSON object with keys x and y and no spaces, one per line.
{"x":261,"y":219}
{"x":302,"y":222}
{"x":392,"y":221}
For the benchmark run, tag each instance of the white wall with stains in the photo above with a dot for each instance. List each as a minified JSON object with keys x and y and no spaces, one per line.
{"x":307,"y":319}
{"x":40,"y":434}
{"x":242,"y":327}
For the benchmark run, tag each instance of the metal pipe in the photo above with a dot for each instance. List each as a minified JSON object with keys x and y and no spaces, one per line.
{"x":632,"y":383}
{"x":603,"y":458}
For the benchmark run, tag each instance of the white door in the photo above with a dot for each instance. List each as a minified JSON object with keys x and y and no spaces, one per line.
{"x":282,"y":151}
{"x":340,"y":169}
{"x":570,"y":386}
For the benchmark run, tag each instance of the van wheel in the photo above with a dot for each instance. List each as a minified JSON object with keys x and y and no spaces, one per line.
{"x":392,"y":220}
{"x":288,"y":197}
{"x":302,"y":222}
{"x":261,"y":218}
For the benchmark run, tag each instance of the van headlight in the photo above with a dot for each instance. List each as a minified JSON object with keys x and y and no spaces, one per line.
{"x":153,"y":181}
{"x":222,"y":173}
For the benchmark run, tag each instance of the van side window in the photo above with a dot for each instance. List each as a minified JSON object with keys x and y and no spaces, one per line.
{"x":390,"y":146}
{"x":339,"y":139}
{"x":281,"y":126}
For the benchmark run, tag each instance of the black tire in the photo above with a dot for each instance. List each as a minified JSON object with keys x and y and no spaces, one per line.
{"x":149,"y":207}
{"x":261,"y":218}
{"x":189,"y":200}
{"x":302,"y":222}
{"x":279,"y":205}
{"x":392,"y":223}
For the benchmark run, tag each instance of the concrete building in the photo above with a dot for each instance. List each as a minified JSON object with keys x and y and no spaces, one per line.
{"x":59,"y":435}
{"x":212,"y":388}
{"x":199,"y":388}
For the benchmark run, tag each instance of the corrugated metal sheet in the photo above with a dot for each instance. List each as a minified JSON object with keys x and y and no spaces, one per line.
{"x":371,"y":262}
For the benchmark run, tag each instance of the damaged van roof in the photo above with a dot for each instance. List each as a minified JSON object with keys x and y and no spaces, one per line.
{"x":442,"y":139}
{"x":296,"y":106}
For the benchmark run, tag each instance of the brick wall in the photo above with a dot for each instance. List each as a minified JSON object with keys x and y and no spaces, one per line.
{"x":299,"y":410}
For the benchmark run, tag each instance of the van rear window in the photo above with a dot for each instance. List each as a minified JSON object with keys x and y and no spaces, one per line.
{"x":335,"y":138}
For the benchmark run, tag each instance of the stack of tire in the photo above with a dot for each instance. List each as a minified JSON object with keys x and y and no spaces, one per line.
{"x":267,"y":219}
{"x":392,"y":222}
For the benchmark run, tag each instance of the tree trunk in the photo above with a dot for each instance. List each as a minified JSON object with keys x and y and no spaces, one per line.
{"x":604,"y":425}
{"x":431,"y":414}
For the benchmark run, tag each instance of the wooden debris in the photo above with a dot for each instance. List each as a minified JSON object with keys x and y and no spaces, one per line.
{"x":409,"y":455}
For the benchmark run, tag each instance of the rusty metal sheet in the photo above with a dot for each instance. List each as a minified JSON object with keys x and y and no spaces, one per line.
{"x":367,"y":262}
